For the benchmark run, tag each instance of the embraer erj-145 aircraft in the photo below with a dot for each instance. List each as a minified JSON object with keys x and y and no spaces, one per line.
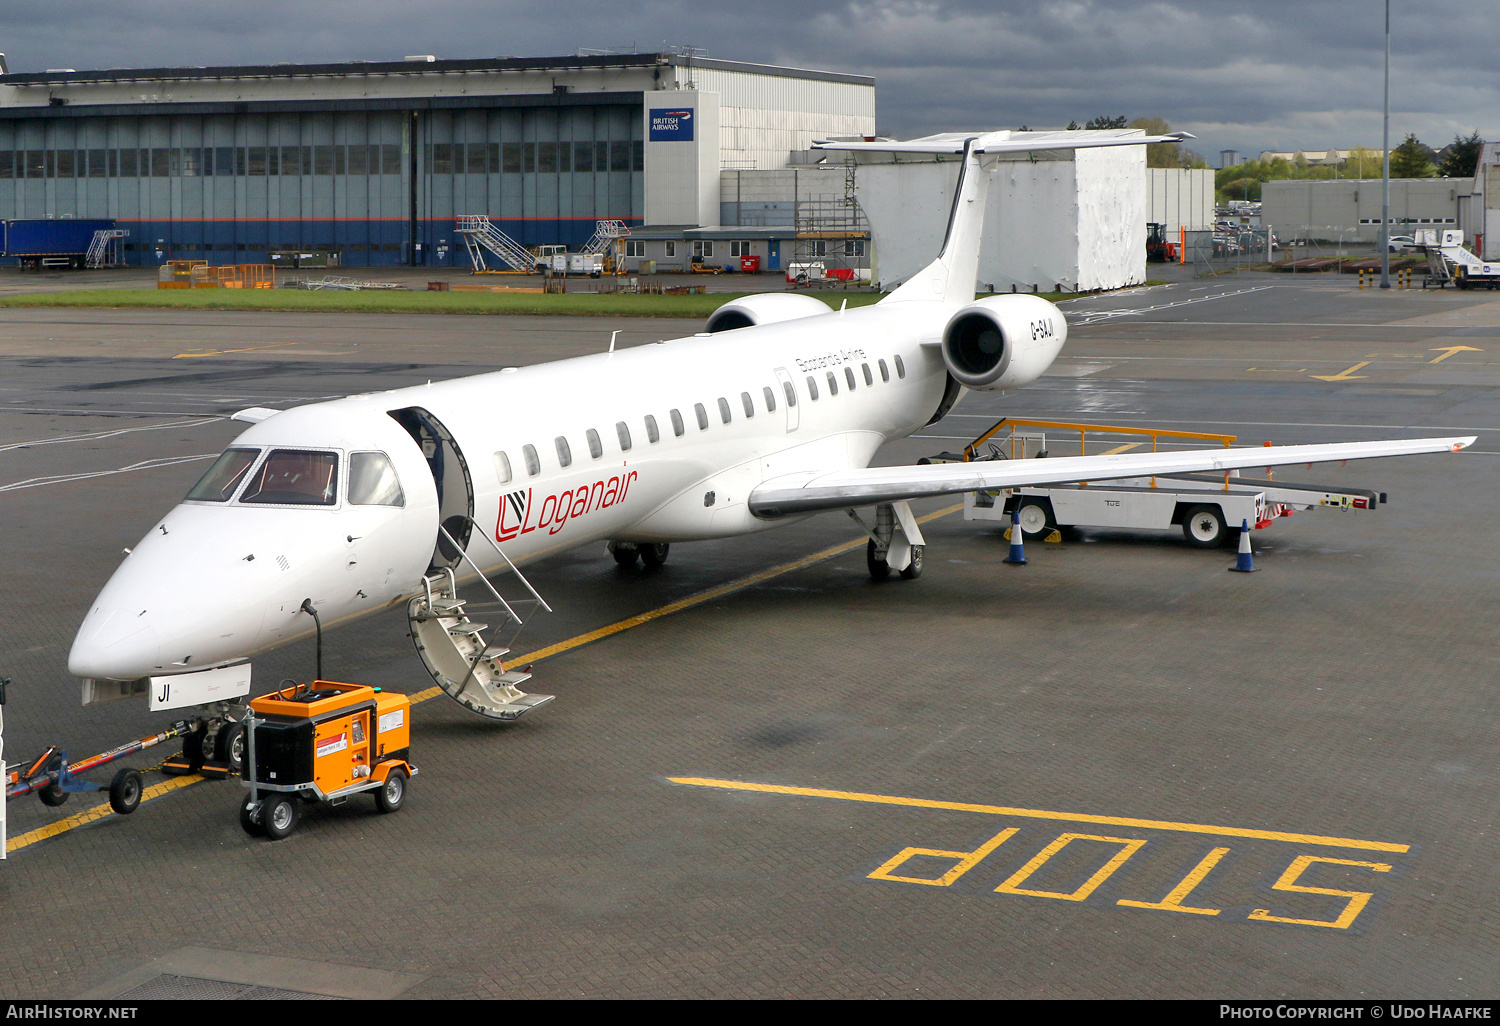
{"x":770,"y":415}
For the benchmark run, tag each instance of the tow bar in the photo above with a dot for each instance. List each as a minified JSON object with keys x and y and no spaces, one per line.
{"x":52,"y":778}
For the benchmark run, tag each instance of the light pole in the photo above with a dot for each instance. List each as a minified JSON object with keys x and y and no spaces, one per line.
{"x":1385,"y":182}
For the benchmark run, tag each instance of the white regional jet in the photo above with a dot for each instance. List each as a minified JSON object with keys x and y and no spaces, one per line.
{"x":770,"y":415}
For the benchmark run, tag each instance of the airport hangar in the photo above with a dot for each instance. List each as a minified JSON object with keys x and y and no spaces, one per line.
{"x":374,"y":160}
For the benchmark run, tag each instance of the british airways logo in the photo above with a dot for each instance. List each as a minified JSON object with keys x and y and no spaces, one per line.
{"x":671,"y":125}
{"x":521,"y":513}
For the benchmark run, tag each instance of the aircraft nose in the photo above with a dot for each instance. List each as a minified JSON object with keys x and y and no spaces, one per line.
{"x":115,"y":644}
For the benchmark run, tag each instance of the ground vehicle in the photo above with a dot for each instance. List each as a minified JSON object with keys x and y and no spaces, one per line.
{"x":1158,"y":248}
{"x":1396,"y":243}
{"x":38,"y":243}
{"x":323,"y":742}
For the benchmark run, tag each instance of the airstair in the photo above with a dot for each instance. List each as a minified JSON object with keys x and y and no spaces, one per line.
{"x":605,"y":233}
{"x":480,"y":234}
{"x":103,"y":250}
{"x":452,"y":645}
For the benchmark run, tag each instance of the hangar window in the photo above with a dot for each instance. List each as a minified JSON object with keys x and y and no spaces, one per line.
{"x":440,"y":158}
{"x":638,"y":155}
{"x":677,"y":426}
{"x":812,"y":388}
{"x":161,"y":162}
{"x":373,"y":481}
{"x":747,"y":403}
{"x":702,"y":415}
{"x":98,"y":162}
{"x":724,"y":409}
{"x":652,"y":435}
{"x":477,"y":158}
{"x":223,"y":160}
{"x":601,"y":156}
{"x":619,"y":155}
{"x":219,"y":483}
{"x":885,"y":372}
{"x":533,"y":464}
{"x":849,"y":377}
{"x":291,"y":160}
{"x":257,"y":160}
{"x":295,"y":477}
{"x":502,"y":468}
{"x":833,"y":383}
{"x":900,"y":367}
{"x":622,"y":431}
{"x":7,"y":164}
{"x":869,"y":378}
{"x":510,"y":158}
{"x":583,"y":156}
{"x":596,"y":447}
{"x":528,"y":157}
{"x":390,"y":159}
{"x":564,"y":452}
{"x":359,"y":162}
{"x":770,"y":399}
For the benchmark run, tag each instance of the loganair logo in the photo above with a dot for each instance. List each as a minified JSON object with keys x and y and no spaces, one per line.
{"x":520,"y":513}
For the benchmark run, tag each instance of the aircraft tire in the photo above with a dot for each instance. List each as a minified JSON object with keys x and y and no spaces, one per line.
{"x":913,"y":569}
{"x":229,"y":746}
{"x":624,"y":556}
{"x":653,"y":556}
{"x":125,"y":791}
{"x":879,"y":568}
{"x":278,"y":817}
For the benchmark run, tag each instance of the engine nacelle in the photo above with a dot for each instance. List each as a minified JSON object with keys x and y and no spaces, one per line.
{"x":1002,"y":342}
{"x":766,"y":308}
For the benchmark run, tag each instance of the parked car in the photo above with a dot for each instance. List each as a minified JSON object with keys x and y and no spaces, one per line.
{"x":1396,"y":243}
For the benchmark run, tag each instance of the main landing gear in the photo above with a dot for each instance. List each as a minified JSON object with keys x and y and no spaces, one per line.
{"x":895,"y":545}
{"x":650,"y":555}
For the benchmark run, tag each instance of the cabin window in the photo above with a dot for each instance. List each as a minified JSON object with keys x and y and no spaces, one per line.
{"x":622,"y":431}
{"x":533,"y":464}
{"x":564,"y":452}
{"x":812,"y":388}
{"x":849,"y":377}
{"x":373,"y":481}
{"x":702,"y":416}
{"x":770,"y":399}
{"x":747,"y":403}
{"x":502,"y":468}
{"x":224,"y":476}
{"x":724,"y":409}
{"x":885,"y":372}
{"x":596,"y":447}
{"x":900,"y":368}
{"x":652,"y":435}
{"x":791,"y":393}
{"x":677,"y":428}
{"x":295,"y":477}
{"x":833,"y":383}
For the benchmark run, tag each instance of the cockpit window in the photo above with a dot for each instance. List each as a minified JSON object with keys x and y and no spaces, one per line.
{"x":373,"y":481}
{"x":224,"y":476}
{"x":295,"y":477}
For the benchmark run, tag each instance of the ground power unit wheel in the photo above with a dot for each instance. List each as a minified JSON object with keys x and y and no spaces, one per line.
{"x":278,"y":816}
{"x":390,"y":795}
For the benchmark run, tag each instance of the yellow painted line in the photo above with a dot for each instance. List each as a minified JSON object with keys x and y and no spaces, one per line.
{"x":1120,"y":448}
{"x":1448,"y":351}
{"x":690,"y":601}
{"x":221,"y":352}
{"x":1067,"y":817}
{"x":78,"y":819}
{"x":1344,"y":375}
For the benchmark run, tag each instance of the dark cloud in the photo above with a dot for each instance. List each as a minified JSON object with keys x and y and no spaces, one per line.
{"x":1272,"y":74}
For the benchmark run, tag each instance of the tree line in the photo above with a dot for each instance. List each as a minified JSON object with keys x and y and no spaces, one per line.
{"x":1412,"y":159}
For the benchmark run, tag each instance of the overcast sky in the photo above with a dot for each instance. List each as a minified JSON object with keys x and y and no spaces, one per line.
{"x":1247,"y":75}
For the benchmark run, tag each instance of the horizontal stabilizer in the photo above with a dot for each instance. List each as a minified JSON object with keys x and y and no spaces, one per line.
{"x":812,"y":492}
{"x":1003,"y":142}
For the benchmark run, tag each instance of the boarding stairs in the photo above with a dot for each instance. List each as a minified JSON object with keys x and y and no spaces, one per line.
{"x":452,"y":645}
{"x":480,"y":234}
{"x":102,"y":249}
{"x":605,"y":233}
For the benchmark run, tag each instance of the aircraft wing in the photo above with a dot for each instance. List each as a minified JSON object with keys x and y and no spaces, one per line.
{"x":814,"y":491}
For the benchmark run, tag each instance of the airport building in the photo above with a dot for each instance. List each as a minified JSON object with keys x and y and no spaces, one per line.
{"x":1348,"y":210}
{"x":374,"y":161}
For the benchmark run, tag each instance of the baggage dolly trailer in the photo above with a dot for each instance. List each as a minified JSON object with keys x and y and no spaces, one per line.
{"x":1207,"y":507}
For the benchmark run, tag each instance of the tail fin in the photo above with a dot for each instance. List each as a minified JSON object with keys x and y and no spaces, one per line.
{"x":953,"y":276}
